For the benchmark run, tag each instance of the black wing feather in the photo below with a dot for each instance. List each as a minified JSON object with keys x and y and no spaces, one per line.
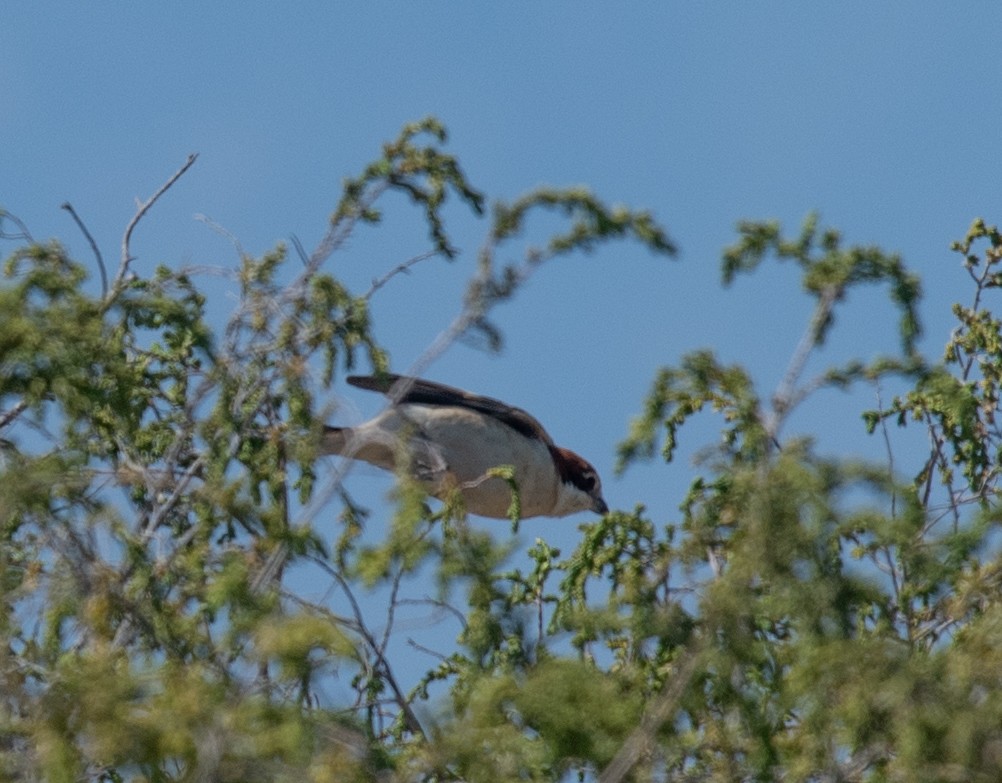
{"x":403,"y":389}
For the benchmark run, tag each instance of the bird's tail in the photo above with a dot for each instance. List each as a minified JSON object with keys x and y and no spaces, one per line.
{"x":383,"y":448}
{"x":335,"y":440}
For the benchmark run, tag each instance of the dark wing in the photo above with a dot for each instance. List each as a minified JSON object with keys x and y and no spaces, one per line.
{"x":402,"y":388}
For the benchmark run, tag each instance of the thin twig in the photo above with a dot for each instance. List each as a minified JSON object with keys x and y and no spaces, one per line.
{"x":391,"y":612}
{"x":640,"y":739}
{"x":341,"y":227}
{"x":410,"y":717}
{"x":443,"y":607}
{"x":93,"y":246}
{"x":890,"y":455}
{"x":223,"y":232}
{"x":300,"y":250}
{"x":379,"y":282}
{"x":25,"y":235}
{"x":123,"y":266}
{"x":8,"y":416}
{"x":427,"y":650}
{"x":783,"y":400}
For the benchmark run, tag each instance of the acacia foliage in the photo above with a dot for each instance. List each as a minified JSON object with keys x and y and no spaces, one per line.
{"x":806,"y":617}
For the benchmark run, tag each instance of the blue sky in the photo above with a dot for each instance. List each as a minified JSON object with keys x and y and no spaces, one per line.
{"x":886,"y":118}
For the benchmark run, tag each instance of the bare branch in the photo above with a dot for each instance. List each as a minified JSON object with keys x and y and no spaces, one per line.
{"x":427,"y":650}
{"x":890,"y":455}
{"x":639,"y":741}
{"x":300,"y":250}
{"x":93,"y":246}
{"x":340,"y":230}
{"x":223,"y":232}
{"x":22,"y":228}
{"x":785,"y":397}
{"x":379,"y":282}
{"x":442,"y":607}
{"x":8,"y":416}
{"x":378,"y":649}
{"x":123,"y":266}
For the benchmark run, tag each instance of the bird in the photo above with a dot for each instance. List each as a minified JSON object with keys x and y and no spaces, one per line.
{"x":450,"y":439}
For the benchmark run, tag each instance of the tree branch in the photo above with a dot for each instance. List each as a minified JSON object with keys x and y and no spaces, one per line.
{"x":783,"y":400}
{"x":93,"y":246}
{"x":8,"y":416}
{"x":25,"y":235}
{"x":379,"y":282}
{"x":123,"y":266}
{"x":639,"y":741}
{"x":378,"y":650}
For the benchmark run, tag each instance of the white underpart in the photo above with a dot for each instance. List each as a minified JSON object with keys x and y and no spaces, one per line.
{"x":452,"y":447}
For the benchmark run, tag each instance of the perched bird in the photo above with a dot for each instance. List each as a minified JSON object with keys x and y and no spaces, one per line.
{"x":449,"y":439}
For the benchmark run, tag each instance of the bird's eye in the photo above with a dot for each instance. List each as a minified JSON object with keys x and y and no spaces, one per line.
{"x":588,"y":482}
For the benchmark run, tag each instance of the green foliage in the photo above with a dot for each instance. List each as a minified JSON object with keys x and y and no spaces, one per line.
{"x":680,"y":393}
{"x":828,"y":270}
{"x":425,"y":173}
{"x":957,"y":400}
{"x":536,"y":725}
{"x":805,"y":617}
{"x":157,"y":465}
{"x":832,"y":629}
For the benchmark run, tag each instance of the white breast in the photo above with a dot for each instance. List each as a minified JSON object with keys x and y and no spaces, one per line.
{"x":470,"y":444}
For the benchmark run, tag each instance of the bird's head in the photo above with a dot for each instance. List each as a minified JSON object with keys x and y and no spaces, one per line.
{"x":580,"y":486}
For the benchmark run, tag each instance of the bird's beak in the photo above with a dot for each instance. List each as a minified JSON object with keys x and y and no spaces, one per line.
{"x":599,"y":507}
